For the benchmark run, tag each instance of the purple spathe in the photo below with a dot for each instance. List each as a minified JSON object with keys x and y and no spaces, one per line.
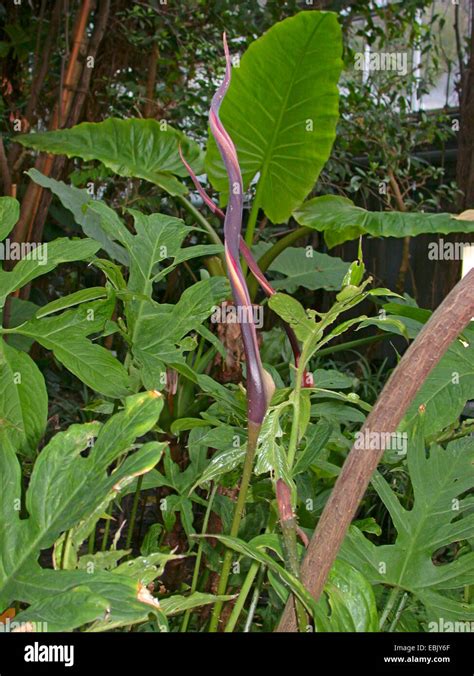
{"x":259,"y":382}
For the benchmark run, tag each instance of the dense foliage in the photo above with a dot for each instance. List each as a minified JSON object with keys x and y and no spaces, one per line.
{"x":123,"y":405}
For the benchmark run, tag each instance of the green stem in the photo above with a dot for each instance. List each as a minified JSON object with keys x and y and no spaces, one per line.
{"x":106,"y":535}
{"x":91,"y":542}
{"x":399,"y":612}
{"x":451,"y":436}
{"x":243,"y":594}
{"x":288,"y":525}
{"x":252,"y":221}
{"x":290,"y":550}
{"x":293,"y":444}
{"x":190,"y":208}
{"x":234,"y":531}
{"x":66,"y":550}
{"x":133,"y":515}
{"x":254,"y":601}
{"x":392,"y":599}
{"x":197,"y":565}
{"x":215,"y":266}
{"x":269,"y":256}
{"x":294,"y":434}
{"x":250,"y":228}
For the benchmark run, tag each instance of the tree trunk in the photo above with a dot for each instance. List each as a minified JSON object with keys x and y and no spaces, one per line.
{"x":150,"y":107}
{"x":32,"y":199}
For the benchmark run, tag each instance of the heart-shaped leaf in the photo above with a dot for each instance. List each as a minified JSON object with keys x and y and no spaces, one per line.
{"x":281,"y":111}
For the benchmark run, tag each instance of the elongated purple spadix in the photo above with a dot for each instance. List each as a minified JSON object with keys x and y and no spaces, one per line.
{"x":260,"y":386}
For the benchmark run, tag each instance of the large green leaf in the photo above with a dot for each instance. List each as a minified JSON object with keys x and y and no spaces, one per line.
{"x":230,"y":452}
{"x":20,"y":312}
{"x":66,"y":335}
{"x":66,"y":485}
{"x":154,"y":349}
{"x":448,"y":387}
{"x":158,"y":238}
{"x":177,"y":604}
{"x":23,"y":399}
{"x":65,"y":611}
{"x":77,"y":202}
{"x":281,"y":111}
{"x":42,"y":259}
{"x":440,"y":517}
{"x":128,"y":600}
{"x":9,"y":215}
{"x":292,"y":312}
{"x":68,"y":557}
{"x":350,"y":600}
{"x":313,"y":271}
{"x":137,"y":148}
{"x":151,"y":253}
{"x":341,"y":220}
{"x":271,"y":456}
